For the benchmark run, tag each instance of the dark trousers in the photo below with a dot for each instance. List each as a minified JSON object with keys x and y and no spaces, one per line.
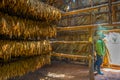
{"x":98,"y":63}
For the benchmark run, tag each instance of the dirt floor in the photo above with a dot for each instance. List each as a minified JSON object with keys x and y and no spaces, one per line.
{"x":67,"y":71}
{"x":109,"y":74}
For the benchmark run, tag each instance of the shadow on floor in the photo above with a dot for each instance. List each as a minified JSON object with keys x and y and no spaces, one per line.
{"x":67,"y":71}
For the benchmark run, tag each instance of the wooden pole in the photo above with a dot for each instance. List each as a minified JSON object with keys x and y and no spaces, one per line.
{"x":114,"y":9}
{"x":91,"y":56}
{"x":69,"y":56}
{"x":83,"y":10}
{"x":92,"y":16}
{"x":91,"y":72}
{"x":113,"y":30}
{"x":114,"y":16}
{"x":74,"y":27}
{"x":88,"y":14}
{"x":87,"y":26}
{"x":71,"y":42}
{"x":110,"y":11}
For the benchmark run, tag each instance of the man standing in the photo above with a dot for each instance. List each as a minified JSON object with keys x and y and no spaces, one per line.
{"x":100,"y":52}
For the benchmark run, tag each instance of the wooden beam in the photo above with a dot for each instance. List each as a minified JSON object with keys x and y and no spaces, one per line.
{"x":69,"y":56}
{"x":92,"y":18}
{"x":114,"y":10}
{"x":83,"y":10}
{"x":86,"y":26}
{"x":74,"y":27}
{"x":113,"y":66}
{"x":110,"y":11}
{"x":88,"y":14}
{"x":91,"y":66}
{"x":116,"y":3}
{"x":71,"y":42}
{"x":113,"y":30}
{"x":108,"y":25}
{"x":88,"y":9}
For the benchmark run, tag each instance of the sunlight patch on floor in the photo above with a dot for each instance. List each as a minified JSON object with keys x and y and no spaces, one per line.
{"x":112,"y":70}
{"x":55,"y":75}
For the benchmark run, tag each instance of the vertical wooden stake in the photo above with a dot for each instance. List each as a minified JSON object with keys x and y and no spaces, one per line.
{"x":91,"y":66}
{"x":110,"y":11}
{"x":91,"y":56}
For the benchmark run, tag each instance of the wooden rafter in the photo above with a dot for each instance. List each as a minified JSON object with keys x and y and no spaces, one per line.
{"x":114,"y":9}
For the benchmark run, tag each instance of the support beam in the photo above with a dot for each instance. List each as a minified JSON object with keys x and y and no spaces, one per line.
{"x":113,"y":66}
{"x":88,"y":14}
{"x":71,"y":42}
{"x":114,"y":10}
{"x":113,"y":30}
{"x":69,"y":56}
{"x":74,"y":27}
{"x":86,"y":26}
{"x":110,"y":11}
{"x":91,"y":66}
{"x":83,"y":10}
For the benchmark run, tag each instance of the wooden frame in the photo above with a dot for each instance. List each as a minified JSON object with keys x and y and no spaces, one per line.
{"x":91,"y":27}
{"x":90,"y":58}
{"x":107,"y":56}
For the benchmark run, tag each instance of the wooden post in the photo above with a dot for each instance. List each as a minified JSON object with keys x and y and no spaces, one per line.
{"x":91,"y":72}
{"x":77,"y":3}
{"x":114,"y":16}
{"x":68,"y":21}
{"x":110,"y":11}
{"x":91,"y":56}
{"x":92,"y":12}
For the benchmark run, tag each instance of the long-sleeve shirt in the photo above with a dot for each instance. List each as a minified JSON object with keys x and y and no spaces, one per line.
{"x":100,"y":47}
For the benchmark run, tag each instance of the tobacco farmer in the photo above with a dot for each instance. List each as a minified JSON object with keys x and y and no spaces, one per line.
{"x":100,"y":52}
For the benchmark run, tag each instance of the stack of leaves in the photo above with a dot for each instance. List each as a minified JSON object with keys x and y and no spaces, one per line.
{"x":33,"y":9}
{"x":12,"y":26}
{"x":23,"y":23}
{"x":22,"y":66}
{"x":9,"y":49}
